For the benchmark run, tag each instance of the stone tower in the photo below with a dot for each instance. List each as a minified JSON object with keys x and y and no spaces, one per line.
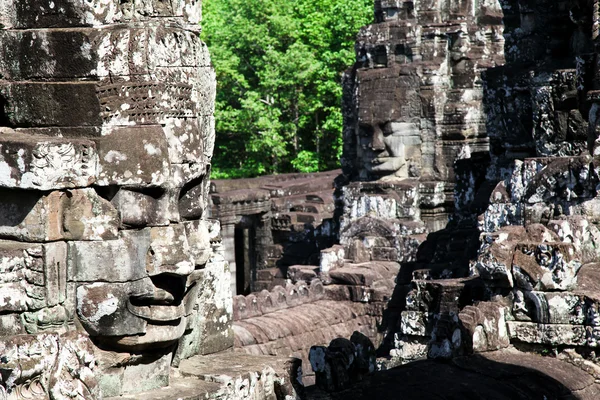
{"x":109,"y":270}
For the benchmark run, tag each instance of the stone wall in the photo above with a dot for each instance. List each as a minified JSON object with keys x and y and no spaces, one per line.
{"x":273,"y":222}
{"x":313,"y":311}
{"x":109,"y":270}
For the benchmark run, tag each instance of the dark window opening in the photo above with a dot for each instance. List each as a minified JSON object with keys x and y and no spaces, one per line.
{"x":380,"y":56}
{"x":403,"y":54}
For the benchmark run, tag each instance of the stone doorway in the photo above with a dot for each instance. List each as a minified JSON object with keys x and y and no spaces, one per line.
{"x":245,"y":254}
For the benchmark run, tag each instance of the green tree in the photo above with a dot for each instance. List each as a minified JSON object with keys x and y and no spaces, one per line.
{"x":279,"y":65}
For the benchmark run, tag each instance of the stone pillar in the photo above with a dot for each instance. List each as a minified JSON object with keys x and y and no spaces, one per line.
{"x":228,"y":237}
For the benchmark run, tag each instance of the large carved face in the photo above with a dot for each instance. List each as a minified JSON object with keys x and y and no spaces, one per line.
{"x":108,"y":151}
{"x":147,"y":290}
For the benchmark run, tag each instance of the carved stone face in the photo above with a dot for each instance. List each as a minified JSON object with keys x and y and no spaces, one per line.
{"x":387,"y":104}
{"x":383,"y":151}
{"x":113,"y":167}
{"x":146,"y":293}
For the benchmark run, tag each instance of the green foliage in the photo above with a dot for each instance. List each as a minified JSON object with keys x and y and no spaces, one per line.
{"x":279,"y":65}
{"x":306,"y":161}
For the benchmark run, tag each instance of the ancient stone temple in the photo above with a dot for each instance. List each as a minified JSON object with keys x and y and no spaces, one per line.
{"x":513,"y":310}
{"x":110,"y":273}
{"x":413,"y":106}
{"x":466,"y":215}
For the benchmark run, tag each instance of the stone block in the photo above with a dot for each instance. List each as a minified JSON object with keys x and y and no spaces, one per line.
{"x":59,"y":53}
{"x":169,"y":251}
{"x":552,"y":307}
{"x":10,"y":325}
{"x":143,"y":207}
{"x":184,"y":177}
{"x":361,"y":294}
{"x":134,"y":156}
{"x":146,"y":375}
{"x":547,"y":266}
{"x":185,"y":140}
{"x":46,"y":163}
{"x":332,"y":258}
{"x":32,"y":276}
{"x":168,"y":47}
{"x":199,"y":238}
{"x":95,"y":53}
{"x":192,"y":198}
{"x":550,"y":334}
{"x":31,"y":215}
{"x":353,"y":275}
{"x":210,"y":325}
{"x":102,"y":308}
{"x":146,"y":102}
{"x":78,"y":214}
{"x":30,"y":359}
{"x":46,"y":104}
{"x":304,"y":273}
{"x":120,"y":260}
{"x":203,"y":88}
{"x":494,"y":261}
{"x":66,"y":13}
{"x":87,"y":216}
{"x":484,"y":327}
{"x":415,"y":323}
{"x":384,"y":254}
{"x":497,"y":216}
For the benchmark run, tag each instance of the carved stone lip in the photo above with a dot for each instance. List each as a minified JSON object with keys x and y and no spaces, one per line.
{"x":158,"y":313}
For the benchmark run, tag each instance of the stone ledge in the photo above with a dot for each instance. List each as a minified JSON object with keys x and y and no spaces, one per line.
{"x":226,"y":376}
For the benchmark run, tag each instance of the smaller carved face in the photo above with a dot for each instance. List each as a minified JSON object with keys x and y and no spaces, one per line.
{"x":384,"y":148}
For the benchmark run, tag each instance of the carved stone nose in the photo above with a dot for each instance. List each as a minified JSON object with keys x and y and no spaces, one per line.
{"x":377,"y":142}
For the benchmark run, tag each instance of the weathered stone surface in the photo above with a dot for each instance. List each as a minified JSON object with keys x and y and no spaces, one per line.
{"x":123,"y":259}
{"x":135,"y":156}
{"x":46,"y":104}
{"x":65,"y":13}
{"x":106,"y":114}
{"x":33,"y":276}
{"x":78,"y":214}
{"x":92,"y":53}
{"x":102,"y":308}
{"x":30,"y":362}
{"x":169,"y":251}
{"x":251,"y":377}
{"x":484,"y":327}
{"x":43,"y":163}
{"x":142,"y":208}
{"x":209,"y":309}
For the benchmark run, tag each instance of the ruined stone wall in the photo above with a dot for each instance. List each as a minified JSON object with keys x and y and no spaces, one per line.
{"x":313,"y":311}
{"x":109,"y":269}
{"x":531,"y":285}
{"x":531,"y":281}
{"x":271,"y":223}
{"x":527,"y":282}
